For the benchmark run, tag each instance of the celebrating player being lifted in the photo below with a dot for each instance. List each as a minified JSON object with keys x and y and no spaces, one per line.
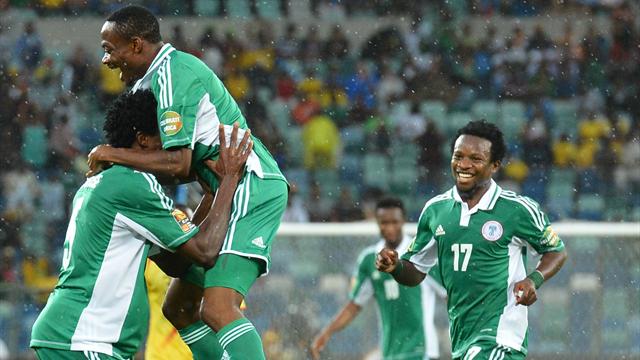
{"x":192,"y":101}
{"x":99,"y":308}
{"x":477,"y":234}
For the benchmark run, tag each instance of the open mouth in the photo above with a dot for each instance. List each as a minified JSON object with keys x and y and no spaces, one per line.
{"x":464,"y":175}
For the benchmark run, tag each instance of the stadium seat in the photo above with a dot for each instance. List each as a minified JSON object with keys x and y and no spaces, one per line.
{"x":566,"y":118}
{"x":329,"y":181}
{"x":590,"y":207}
{"x":238,"y":9}
{"x":512,"y":118}
{"x":353,"y":139}
{"x":589,"y":182}
{"x":300,"y":9}
{"x":486,"y":109}
{"x":207,"y":7}
{"x":295,"y":147}
{"x":457,"y":120}
{"x":376,"y":171}
{"x":280,"y":114}
{"x":435,"y":110}
{"x":299,"y":177}
{"x":350,"y":168}
{"x":268,"y":9}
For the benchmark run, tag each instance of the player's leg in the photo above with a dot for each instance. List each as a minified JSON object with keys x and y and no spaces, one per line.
{"x":244,"y":257}
{"x":181,"y":307}
{"x":221,"y":306}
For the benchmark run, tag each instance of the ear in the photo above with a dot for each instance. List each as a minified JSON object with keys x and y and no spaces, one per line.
{"x":495,"y":166}
{"x":142,"y":139}
{"x":136,"y":44}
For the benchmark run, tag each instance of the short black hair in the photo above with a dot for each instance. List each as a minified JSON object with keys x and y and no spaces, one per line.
{"x":390,"y":203}
{"x":128,"y":114}
{"x":485,"y":130}
{"x":134,"y":20}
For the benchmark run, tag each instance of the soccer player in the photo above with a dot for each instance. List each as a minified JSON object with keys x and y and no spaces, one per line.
{"x":477,"y":235}
{"x":406,"y":312}
{"x":192,"y":101}
{"x":99,"y":308}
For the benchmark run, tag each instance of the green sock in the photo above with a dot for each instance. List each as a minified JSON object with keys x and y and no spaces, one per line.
{"x":241,"y":341}
{"x":202,"y":341}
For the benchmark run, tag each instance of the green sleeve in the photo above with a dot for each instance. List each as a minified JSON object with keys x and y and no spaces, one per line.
{"x":148,"y":212}
{"x":178,"y":93}
{"x":361,"y":286}
{"x":423,"y":251}
{"x":534,"y":228}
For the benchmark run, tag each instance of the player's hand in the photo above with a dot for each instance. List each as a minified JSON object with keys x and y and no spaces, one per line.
{"x":387,"y":260}
{"x":525,"y":292}
{"x":318,"y":344}
{"x":97,"y":159}
{"x":232,"y":156}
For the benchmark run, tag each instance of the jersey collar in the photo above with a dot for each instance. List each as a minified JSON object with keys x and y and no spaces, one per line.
{"x":165,"y":50}
{"x":488,"y":200}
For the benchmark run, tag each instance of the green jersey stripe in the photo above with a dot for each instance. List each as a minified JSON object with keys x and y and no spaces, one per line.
{"x":531,"y":211}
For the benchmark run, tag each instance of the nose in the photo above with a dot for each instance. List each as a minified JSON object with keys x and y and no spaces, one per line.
{"x":105,"y":59}
{"x":464,"y":163}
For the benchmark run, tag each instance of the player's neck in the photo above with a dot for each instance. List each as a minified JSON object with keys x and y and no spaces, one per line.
{"x":472,"y":197}
{"x":151,"y":54}
{"x":393,"y":245}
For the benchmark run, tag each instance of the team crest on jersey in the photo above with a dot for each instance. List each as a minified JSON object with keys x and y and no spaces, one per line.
{"x":170,"y":123}
{"x":492,"y":230}
{"x":183,"y":220}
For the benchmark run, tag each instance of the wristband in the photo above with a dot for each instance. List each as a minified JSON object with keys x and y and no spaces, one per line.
{"x":398,"y":268}
{"x":537,"y":278}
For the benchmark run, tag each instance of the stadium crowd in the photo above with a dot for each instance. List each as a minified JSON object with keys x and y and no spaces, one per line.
{"x":346,"y":124}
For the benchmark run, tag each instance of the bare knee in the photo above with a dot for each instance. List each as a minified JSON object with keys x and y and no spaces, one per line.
{"x":181,"y":304}
{"x":220,"y":307}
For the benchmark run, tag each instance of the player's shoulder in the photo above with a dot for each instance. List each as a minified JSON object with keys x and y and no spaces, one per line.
{"x":184,"y":64}
{"x":369,"y":252}
{"x":126,"y":181}
{"x":519,"y":201}
{"x":437,"y":201}
{"x":526,"y":207}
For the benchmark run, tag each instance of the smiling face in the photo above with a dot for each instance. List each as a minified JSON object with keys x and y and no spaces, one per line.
{"x":121,"y":53}
{"x":471,"y":164}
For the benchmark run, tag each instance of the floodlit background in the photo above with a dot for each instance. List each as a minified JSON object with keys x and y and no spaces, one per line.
{"x":356,"y":100}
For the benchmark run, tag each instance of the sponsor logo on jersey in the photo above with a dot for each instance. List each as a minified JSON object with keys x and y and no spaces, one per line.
{"x":183,"y":220}
{"x":492,"y":230}
{"x":440,"y":231}
{"x":550,"y":237}
{"x":259,"y":242}
{"x":170,"y":123}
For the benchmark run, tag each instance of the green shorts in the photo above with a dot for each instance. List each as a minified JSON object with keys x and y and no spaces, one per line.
{"x":258,"y":205}
{"x":59,"y":354}
{"x":486,"y":350}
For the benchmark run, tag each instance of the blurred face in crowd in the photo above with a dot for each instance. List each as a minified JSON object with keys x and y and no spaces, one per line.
{"x":390,"y":222}
{"x":471,"y":165}
{"x":123,"y":54}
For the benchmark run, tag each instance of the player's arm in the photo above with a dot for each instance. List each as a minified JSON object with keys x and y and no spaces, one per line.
{"x":344,"y":317}
{"x":204,"y":247}
{"x":174,"y":164}
{"x":402,"y":270}
{"x":176,"y":265}
{"x":534,"y":227}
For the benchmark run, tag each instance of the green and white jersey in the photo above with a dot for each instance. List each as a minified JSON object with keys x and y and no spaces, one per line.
{"x":100,"y":302}
{"x":481,"y":254}
{"x":192,"y":101}
{"x":406,"y":313}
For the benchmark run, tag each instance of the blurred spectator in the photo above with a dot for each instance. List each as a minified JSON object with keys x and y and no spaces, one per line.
{"x":110,"y":85}
{"x":564,"y":152}
{"x":237,"y":83}
{"x":337,"y":45}
{"x":296,"y":210}
{"x":627,"y":175}
{"x":63,"y":142}
{"x":321,"y":208}
{"x":346,"y":209}
{"x":287,"y":46}
{"x":20,"y":190}
{"x":430,"y":158}
{"x":321,"y":140}
{"x":29,"y":47}
{"x":78,"y":72}
{"x":536,"y":144}
{"x":211,"y":50}
{"x":412,"y":126}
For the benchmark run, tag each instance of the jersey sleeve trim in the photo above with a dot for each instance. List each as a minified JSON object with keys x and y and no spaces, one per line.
{"x":363,"y":293}
{"x":148,"y":235}
{"x":536,"y":215}
{"x":434,"y":200}
{"x":155,"y":188}
{"x":425,"y":258}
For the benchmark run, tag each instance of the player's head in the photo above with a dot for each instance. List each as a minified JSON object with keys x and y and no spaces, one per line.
{"x":390,"y":217}
{"x":477,"y":152}
{"x":131,"y":122}
{"x":130,"y":37}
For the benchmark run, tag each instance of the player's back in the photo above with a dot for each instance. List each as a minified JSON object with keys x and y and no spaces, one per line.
{"x":99,"y":303}
{"x":192,"y":102}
